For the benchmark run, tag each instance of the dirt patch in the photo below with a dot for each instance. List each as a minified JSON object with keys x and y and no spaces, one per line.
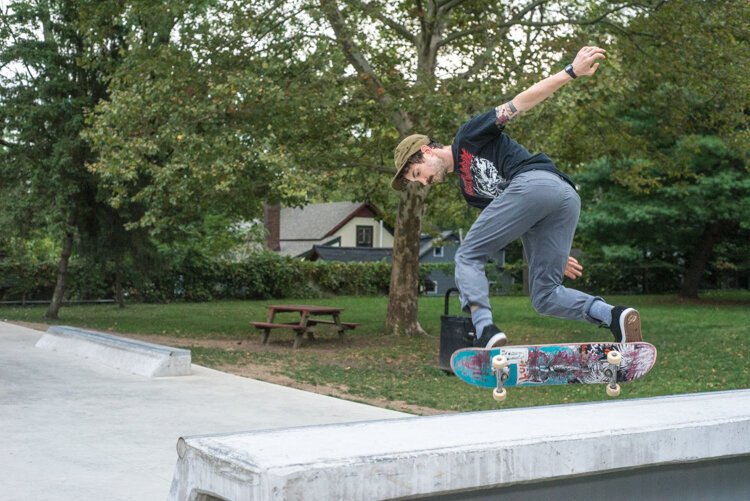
{"x":326,"y":348}
{"x":263,"y":374}
{"x":30,"y":325}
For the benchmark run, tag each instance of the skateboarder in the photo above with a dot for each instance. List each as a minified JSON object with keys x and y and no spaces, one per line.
{"x":521,"y":196}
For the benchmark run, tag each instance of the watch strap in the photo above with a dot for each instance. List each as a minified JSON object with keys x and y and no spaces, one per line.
{"x":569,"y":71}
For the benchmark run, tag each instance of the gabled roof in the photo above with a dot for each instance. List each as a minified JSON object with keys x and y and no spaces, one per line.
{"x":318,"y":221}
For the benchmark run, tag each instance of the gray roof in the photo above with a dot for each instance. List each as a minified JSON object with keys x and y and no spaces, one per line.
{"x":297,"y":248}
{"x":313,"y":222}
{"x":326,"y":253}
{"x":427,"y":242}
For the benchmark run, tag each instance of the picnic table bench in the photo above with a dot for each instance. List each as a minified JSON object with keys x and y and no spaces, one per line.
{"x":309,"y":316}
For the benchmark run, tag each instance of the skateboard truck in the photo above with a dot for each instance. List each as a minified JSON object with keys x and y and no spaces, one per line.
{"x":613,"y":360}
{"x":502,"y":372}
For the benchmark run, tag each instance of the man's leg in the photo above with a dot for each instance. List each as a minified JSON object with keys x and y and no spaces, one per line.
{"x":547,"y":246}
{"x":522,"y":205}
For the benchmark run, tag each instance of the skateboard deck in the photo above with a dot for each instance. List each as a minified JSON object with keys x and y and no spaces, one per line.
{"x":554,"y":364}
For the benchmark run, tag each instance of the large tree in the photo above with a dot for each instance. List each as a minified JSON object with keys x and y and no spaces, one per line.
{"x":58,"y":57}
{"x":192,"y":125}
{"x":671,"y":184}
{"x":429,"y":64}
{"x":44,"y":93}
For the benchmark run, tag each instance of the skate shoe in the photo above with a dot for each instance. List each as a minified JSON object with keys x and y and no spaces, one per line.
{"x":626,"y":325}
{"x":491,"y":337}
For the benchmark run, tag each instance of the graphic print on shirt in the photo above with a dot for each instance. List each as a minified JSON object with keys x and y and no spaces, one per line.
{"x":480,"y":176}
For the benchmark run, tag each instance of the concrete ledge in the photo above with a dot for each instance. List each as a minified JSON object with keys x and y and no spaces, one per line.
{"x":136,"y":357}
{"x":459,"y":453}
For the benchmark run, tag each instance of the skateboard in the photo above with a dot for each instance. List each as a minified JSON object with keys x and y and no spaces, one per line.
{"x":554,"y":364}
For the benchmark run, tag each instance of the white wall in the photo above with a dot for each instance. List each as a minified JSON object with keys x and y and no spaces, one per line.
{"x":461,"y":453}
{"x":348,"y":233}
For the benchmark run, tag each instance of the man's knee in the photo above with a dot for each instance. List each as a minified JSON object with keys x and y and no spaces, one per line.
{"x":541,"y":300}
{"x":470,"y":256}
{"x":461,"y":254}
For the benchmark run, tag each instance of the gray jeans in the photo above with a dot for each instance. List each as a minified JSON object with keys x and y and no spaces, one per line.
{"x":542,"y":209}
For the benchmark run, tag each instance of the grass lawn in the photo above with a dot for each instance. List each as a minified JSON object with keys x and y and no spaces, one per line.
{"x":702,"y":346}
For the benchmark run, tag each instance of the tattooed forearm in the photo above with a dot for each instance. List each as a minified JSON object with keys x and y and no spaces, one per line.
{"x":505,"y":113}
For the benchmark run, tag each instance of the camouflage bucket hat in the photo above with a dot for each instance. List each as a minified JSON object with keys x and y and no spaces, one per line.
{"x":405,"y":149}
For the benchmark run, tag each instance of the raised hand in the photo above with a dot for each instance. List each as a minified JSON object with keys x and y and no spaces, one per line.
{"x":585,"y":62}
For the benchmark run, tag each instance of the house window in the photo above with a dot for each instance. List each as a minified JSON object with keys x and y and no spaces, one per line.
{"x":364,"y":236}
{"x":437,"y":251}
{"x":430,"y":286}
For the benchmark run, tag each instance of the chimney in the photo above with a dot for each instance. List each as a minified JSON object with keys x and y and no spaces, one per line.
{"x":272,"y":222}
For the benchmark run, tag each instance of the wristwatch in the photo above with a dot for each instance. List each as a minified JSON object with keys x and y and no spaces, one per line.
{"x":569,"y":71}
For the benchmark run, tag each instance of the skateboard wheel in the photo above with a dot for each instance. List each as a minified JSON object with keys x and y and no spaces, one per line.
{"x":499,"y":362}
{"x":614,"y":357}
{"x":613,"y":391}
{"x":499,"y":395}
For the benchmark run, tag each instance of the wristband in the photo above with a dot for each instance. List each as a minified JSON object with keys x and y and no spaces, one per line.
{"x":569,"y":71}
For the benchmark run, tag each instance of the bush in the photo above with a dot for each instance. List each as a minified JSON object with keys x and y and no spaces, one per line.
{"x":263,"y":275}
{"x":266,"y":275}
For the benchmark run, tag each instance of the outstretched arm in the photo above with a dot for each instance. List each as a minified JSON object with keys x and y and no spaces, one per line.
{"x":585,"y":63}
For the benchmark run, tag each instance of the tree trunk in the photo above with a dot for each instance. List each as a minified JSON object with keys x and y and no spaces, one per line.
{"x":402,"y":316}
{"x":62,"y":274}
{"x":697,"y":266}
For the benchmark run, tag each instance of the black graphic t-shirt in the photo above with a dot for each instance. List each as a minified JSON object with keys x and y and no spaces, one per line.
{"x":486,"y":159}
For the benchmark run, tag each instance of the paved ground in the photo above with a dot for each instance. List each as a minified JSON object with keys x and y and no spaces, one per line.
{"x":71,"y":429}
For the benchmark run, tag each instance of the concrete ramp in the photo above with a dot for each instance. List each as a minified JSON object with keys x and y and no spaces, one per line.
{"x":487,"y":453}
{"x":129,"y":355}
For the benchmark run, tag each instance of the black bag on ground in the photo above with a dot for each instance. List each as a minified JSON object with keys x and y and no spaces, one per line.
{"x":455,"y":333}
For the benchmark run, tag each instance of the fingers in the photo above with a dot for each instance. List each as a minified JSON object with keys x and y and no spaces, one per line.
{"x":573,"y":269}
{"x":591,"y":49}
{"x":572,"y":275}
{"x":585,"y":62}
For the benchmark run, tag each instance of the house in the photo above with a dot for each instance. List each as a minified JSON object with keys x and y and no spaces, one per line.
{"x":432,"y":250}
{"x":347,"y":231}
{"x":296,"y":231}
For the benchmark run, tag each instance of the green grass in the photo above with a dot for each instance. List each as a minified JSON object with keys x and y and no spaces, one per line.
{"x":703,"y":346}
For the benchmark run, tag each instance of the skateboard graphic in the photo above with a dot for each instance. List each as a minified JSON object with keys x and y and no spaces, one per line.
{"x":554,"y":364}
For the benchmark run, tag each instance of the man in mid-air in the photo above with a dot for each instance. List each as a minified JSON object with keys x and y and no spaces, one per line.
{"x":521,"y":196}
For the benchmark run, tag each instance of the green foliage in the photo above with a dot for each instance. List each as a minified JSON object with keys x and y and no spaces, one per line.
{"x":663,"y":158}
{"x":253,"y":102}
{"x":264,"y":275}
{"x":208,"y":120}
{"x":26,"y":267}
{"x":42,"y":95}
{"x":53,"y":73}
{"x":152,"y":126}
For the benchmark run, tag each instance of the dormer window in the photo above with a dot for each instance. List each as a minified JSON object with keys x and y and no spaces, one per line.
{"x":364,"y":236}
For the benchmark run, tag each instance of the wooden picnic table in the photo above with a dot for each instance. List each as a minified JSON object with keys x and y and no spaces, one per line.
{"x":309,"y":316}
